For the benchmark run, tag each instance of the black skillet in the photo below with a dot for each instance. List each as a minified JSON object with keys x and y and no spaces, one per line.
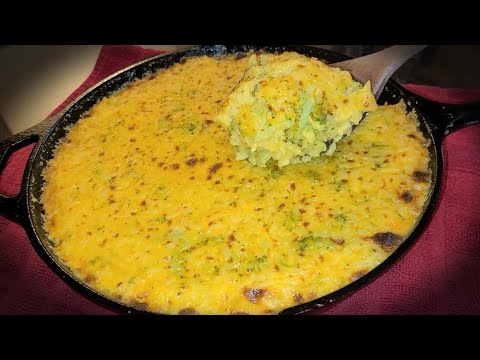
{"x":436,"y":122}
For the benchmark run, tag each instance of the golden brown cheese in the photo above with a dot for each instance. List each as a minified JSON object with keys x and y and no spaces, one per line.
{"x":145,"y":201}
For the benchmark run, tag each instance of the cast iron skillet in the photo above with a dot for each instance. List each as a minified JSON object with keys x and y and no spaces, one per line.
{"x":436,"y":122}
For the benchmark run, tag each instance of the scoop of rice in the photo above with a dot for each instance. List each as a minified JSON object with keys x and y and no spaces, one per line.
{"x":291,"y":108}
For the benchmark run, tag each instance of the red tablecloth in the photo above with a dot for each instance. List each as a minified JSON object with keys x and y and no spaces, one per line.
{"x":439,"y":275}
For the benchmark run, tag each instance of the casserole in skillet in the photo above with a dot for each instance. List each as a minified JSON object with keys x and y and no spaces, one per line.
{"x":145,"y":203}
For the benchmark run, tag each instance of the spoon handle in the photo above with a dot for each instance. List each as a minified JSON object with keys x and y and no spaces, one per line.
{"x":379,"y":66}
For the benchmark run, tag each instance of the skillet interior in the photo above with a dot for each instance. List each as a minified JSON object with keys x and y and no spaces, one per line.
{"x":44,"y":151}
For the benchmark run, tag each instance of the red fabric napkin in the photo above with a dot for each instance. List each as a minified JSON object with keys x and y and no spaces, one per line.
{"x":439,"y":275}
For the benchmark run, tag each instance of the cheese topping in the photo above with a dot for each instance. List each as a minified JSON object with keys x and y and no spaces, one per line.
{"x":145,"y":201}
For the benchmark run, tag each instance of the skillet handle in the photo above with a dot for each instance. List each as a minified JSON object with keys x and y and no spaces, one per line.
{"x":460,"y":116}
{"x":447,"y":118}
{"x":14,"y":207}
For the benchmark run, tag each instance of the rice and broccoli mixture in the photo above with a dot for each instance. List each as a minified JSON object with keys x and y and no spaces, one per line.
{"x":291,"y":108}
{"x":145,"y":202}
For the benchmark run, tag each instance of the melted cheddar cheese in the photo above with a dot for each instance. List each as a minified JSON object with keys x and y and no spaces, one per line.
{"x":145,"y":201}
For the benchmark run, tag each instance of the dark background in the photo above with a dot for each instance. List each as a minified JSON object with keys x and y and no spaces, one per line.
{"x":437,"y":65}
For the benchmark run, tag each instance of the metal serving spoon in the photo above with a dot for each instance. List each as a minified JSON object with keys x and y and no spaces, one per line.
{"x":379,"y":66}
